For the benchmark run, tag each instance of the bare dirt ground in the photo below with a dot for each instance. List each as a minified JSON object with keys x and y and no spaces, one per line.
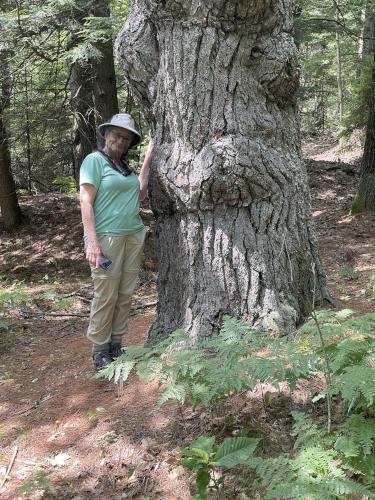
{"x":76,"y":437}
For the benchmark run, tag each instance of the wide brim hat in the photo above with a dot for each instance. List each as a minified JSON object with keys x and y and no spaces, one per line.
{"x":122,"y":120}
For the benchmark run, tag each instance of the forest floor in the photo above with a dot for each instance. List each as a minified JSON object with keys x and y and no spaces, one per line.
{"x":76,"y":437}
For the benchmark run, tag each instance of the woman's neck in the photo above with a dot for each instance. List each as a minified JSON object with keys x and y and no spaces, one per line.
{"x":115,"y":157}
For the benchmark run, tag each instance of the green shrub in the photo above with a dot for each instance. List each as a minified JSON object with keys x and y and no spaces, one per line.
{"x":65,"y":184}
{"x":23,"y":192}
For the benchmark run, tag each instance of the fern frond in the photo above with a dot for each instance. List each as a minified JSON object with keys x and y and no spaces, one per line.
{"x":358,"y":381}
{"x":306,"y":430}
{"x":361,"y":432}
{"x":173,"y":392}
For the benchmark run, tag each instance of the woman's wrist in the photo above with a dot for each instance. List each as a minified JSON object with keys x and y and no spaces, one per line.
{"x":93,"y":240}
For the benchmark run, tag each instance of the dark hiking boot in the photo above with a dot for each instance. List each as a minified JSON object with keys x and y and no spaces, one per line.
{"x":115,"y":350}
{"x":101,"y":359}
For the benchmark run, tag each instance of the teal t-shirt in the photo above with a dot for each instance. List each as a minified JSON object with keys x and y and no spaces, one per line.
{"x":116,"y":205}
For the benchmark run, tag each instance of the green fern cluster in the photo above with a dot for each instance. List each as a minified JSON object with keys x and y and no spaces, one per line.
{"x":349,"y":348}
{"x":319,"y":467}
{"x":325,"y":463}
{"x":211,"y":370}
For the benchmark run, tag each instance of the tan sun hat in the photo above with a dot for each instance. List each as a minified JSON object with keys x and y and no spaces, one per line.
{"x":122,"y":120}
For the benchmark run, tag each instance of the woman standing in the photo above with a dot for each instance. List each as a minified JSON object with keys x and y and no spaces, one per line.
{"x":114,"y":233}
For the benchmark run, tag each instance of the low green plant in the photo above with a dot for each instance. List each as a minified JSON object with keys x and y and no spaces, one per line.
{"x":7,"y":337}
{"x":23,"y":192}
{"x":95,"y":413}
{"x":65,"y":184}
{"x":10,"y":300}
{"x":209,"y":371}
{"x":370,"y":289}
{"x":349,"y":348}
{"x":13,"y":298}
{"x":207,"y":459}
{"x":39,"y":481}
{"x":348,"y":273}
{"x":331,"y":462}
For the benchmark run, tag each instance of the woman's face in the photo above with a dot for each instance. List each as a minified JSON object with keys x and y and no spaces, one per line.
{"x":118,"y":140}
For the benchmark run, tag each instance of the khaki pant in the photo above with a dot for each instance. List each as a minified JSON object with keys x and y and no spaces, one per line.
{"x":114,"y":287}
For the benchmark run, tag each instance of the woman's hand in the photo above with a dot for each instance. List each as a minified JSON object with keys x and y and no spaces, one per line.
{"x":93,"y":252}
{"x":145,"y":170}
{"x":93,"y":249}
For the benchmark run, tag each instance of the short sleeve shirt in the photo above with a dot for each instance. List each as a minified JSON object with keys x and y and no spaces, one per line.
{"x":116,"y":205}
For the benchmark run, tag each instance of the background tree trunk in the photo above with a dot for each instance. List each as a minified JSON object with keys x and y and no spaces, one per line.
{"x":83,"y":108}
{"x":10,"y":210}
{"x":105,"y":89}
{"x":338,"y":68}
{"x":365,"y":197}
{"x":92,"y":84}
{"x":217,"y":82}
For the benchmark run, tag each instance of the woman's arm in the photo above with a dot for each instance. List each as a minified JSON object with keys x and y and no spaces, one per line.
{"x":145,"y":170}
{"x":87,"y":196}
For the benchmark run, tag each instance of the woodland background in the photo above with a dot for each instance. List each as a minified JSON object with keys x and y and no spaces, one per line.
{"x":59,"y":81}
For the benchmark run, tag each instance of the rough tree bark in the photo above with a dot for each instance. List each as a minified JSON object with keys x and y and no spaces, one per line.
{"x":81,"y":84}
{"x":217,"y":81}
{"x":92,"y":83}
{"x":10,"y":210}
{"x":365,"y":197}
{"x":105,"y":89}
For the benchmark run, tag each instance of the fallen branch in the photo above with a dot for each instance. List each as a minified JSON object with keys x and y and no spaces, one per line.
{"x":9,"y":467}
{"x":142,"y":306}
{"x":57,"y":315}
{"x":79,"y":315}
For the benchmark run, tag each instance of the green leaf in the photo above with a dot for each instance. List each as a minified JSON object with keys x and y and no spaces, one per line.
{"x":235,"y":451}
{"x":205,"y":443}
{"x":203,"y":480}
{"x":3,"y":326}
{"x":344,"y":314}
{"x":202,"y":455}
{"x":176,"y":392}
{"x":123,"y":370}
{"x":48,"y":295}
{"x":347,"y":446}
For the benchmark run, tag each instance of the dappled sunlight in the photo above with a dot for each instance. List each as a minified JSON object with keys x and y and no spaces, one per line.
{"x":89,"y":437}
{"x":319,"y":213}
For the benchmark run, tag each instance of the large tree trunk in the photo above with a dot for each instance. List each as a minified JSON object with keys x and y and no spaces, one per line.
{"x":365,"y":197}
{"x":338,"y":67}
{"x":217,"y":80}
{"x":10,"y":210}
{"x":105,"y":89}
{"x":83,"y":108}
{"x":92,"y":83}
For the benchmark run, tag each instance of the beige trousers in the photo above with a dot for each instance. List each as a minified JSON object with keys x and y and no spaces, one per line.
{"x":114,"y":287}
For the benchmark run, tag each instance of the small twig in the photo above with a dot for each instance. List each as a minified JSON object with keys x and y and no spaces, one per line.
{"x":63,"y":335}
{"x":327,"y":373}
{"x":27,"y":313}
{"x":67,"y":325}
{"x":142,"y":306}
{"x":84,"y":299}
{"x":26,"y":462}
{"x":263,"y":402}
{"x":30,"y":408}
{"x":79,"y":315}
{"x":9,"y":467}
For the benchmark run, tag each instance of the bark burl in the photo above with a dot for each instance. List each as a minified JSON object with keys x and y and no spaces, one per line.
{"x":217,"y":80}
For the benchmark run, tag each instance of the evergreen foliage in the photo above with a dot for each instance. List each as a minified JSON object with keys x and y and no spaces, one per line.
{"x":320,"y":27}
{"x":37,"y":42}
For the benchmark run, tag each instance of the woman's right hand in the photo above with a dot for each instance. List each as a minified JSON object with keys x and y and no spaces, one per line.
{"x":93,"y":252}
